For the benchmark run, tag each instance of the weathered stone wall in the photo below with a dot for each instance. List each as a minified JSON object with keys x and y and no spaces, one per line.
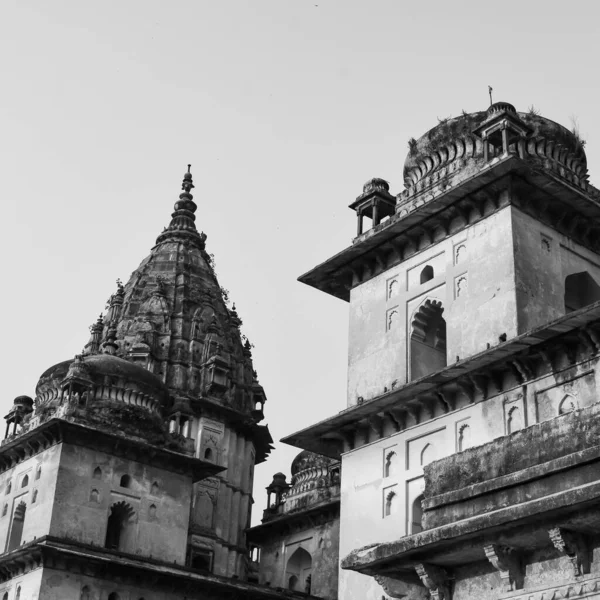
{"x":30,"y":585}
{"x":222,"y":504}
{"x":543,"y":260}
{"x":321,"y":542}
{"x":473,"y":274}
{"x":365,"y":487}
{"x":160,"y":532}
{"x":41,"y":472}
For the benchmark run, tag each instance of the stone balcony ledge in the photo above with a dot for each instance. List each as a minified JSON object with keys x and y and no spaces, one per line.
{"x":518,"y":492}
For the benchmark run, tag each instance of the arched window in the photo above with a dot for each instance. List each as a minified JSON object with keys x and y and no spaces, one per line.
{"x":18,"y":594}
{"x":5,"y":596}
{"x":125,"y":481}
{"x":390,"y":504}
{"x":85,"y":593}
{"x":154,"y":489}
{"x":94,"y":496}
{"x":34,"y":497}
{"x":427,"y":454}
{"x":567,"y":405}
{"x":152,"y":511}
{"x":390,"y":463}
{"x":25,"y":481}
{"x":5,"y":510}
{"x":16,"y":532}
{"x":38,"y":472}
{"x":9,"y":487}
{"x":417,"y":515}
{"x":118,"y":525}
{"x":580,"y":290}
{"x":299,"y":566}
{"x":426,"y":274}
{"x":208,"y":454}
{"x":515,"y":420}
{"x":427,"y":340}
{"x":97,"y":473}
{"x":464,"y":437}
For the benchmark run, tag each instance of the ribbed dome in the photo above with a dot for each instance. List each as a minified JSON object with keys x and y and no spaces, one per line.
{"x":307,"y":460}
{"x":109,"y":377}
{"x":454,"y":145}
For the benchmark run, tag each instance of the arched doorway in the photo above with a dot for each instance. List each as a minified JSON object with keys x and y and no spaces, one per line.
{"x":580,"y":290}
{"x":299,"y":571}
{"x":427,"y":340}
{"x":417,"y":515}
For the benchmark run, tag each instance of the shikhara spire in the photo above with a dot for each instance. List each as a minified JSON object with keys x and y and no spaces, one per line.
{"x":182,"y":226}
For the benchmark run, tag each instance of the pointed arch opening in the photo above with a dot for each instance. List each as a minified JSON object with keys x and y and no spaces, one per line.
{"x":18,"y":594}
{"x":515,"y":420}
{"x":5,"y":596}
{"x":427,"y":340}
{"x":97,"y":473}
{"x":119,"y":526}
{"x":391,"y":460}
{"x":580,"y":290}
{"x":25,"y":481}
{"x":417,"y":515}
{"x":464,"y":437}
{"x":16,"y":532}
{"x":299,"y":571}
{"x":567,"y":404}
{"x":85,"y":593}
{"x":390,"y":504}
{"x":426,"y":274}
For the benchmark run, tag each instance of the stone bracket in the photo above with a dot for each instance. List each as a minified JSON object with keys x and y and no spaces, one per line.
{"x":435,"y":579}
{"x":404,"y":590}
{"x":575,"y":546}
{"x":508,"y":563}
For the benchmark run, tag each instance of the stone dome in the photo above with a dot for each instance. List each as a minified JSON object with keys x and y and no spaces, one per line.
{"x":309,"y":460}
{"x":108,"y":377}
{"x":454,"y":145}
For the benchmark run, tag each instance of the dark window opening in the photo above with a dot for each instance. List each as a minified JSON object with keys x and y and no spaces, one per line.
{"x":114,"y":596}
{"x":125,"y":481}
{"x":16,"y":532}
{"x":426,"y":274}
{"x":201,"y":560}
{"x":118,"y":522}
{"x":208,"y":454}
{"x":580,"y":290}
{"x":417,"y":515}
{"x":427,"y":340}
{"x":25,"y":481}
{"x":85,"y":593}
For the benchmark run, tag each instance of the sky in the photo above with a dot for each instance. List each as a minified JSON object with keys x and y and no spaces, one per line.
{"x":284,"y":108}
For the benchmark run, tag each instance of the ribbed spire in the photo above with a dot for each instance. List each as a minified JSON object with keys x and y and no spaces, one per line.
{"x":182,"y":226}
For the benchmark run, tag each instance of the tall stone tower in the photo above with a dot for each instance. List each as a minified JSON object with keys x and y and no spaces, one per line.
{"x":130,"y":474}
{"x":473,"y":360}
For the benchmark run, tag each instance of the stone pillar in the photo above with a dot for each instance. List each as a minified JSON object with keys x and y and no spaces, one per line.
{"x":359,"y":225}
{"x":375,"y":213}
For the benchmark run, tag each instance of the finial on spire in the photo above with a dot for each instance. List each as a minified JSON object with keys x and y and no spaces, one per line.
{"x":490,"y":90}
{"x":187,"y":184}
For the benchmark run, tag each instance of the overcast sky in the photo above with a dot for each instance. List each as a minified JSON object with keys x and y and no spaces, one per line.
{"x":284,"y":108}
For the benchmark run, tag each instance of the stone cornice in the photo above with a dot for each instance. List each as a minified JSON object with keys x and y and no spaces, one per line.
{"x":74,"y":557}
{"x":575,"y":336}
{"x":56,"y":431}
{"x":427,"y":220}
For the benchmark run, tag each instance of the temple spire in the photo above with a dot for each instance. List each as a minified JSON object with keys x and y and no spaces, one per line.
{"x":182,"y":226}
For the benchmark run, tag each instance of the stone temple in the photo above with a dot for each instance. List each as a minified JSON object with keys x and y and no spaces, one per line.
{"x":470,"y":444}
{"x":466,"y":465}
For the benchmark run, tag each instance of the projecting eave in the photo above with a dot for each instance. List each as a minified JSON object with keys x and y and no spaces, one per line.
{"x":327,"y":437}
{"x":378,"y":248}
